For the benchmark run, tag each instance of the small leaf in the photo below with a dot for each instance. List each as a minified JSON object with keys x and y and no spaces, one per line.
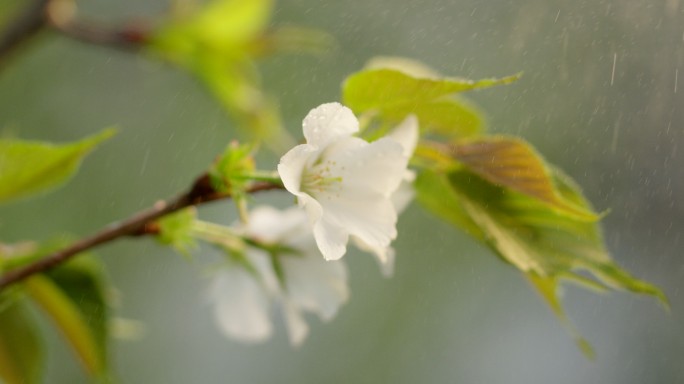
{"x":224,"y":21}
{"x":21,"y":350}
{"x":29,"y":167}
{"x":176,"y":230}
{"x":230,"y":172}
{"x":219,"y":28}
{"x":512,"y":163}
{"x":383,"y":89}
{"x":81,"y":326}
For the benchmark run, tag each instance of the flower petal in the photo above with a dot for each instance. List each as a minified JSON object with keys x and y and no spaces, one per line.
{"x":384,"y":255}
{"x":316,"y":285}
{"x":329,"y":122}
{"x":273,"y":225}
{"x":297,"y":329}
{"x":241,"y":305}
{"x":378,"y":166}
{"x":292,"y":165}
{"x":406,"y":134}
{"x":405,"y":192}
{"x":331,"y":238}
{"x":371,"y":218}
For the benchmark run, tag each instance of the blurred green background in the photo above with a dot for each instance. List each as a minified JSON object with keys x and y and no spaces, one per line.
{"x":600,"y":98}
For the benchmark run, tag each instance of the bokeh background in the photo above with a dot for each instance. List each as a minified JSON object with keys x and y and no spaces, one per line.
{"x":602,"y":97}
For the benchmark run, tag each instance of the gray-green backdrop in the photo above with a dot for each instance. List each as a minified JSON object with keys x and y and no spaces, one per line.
{"x":600,"y":97}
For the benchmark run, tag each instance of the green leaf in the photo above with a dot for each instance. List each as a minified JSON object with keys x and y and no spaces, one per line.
{"x":220,"y":28}
{"x":73,"y":299}
{"x":73,"y":295}
{"x":514,"y":164}
{"x":21,"y":350}
{"x":83,"y":281}
{"x":176,"y":230}
{"x":390,"y":88}
{"x":29,"y":167}
{"x":452,"y":118}
{"x":231,"y":170}
{"x":535,"y":238}
{"x":434,"y":193}
{"x":545,"y":244}
{"x":382,"y":89}
{"x":228,"y":21}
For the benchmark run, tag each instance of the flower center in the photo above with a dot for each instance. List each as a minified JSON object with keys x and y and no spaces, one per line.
{"x":319,"y":178}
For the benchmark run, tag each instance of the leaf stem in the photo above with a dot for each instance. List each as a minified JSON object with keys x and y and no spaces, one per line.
{"x":267,"y":176}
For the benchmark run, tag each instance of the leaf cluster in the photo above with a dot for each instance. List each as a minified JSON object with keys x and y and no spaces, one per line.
{"x":498,"y":189}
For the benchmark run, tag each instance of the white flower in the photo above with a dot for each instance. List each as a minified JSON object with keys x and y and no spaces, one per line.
{"x":245,"y":293}
{"x":344,"y":183}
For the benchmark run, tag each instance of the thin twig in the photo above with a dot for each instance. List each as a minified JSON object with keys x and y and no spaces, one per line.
{"x":130,"y":39}
{"x":135,"y":225}
{"x":63,"y":18}
{"x":23,"y":27}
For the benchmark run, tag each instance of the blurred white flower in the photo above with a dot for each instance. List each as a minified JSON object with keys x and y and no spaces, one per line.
{"x":245,"y":292}
{"x":344,"y":183}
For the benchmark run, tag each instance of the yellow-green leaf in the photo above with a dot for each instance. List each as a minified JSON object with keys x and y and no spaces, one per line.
{"x":74,"y":324}
{"x":224,"y":21}
{"x":21,"y":351}
{"x":176,"y":230}
{"x":512,"y":163}
{"x":543,"y":243}
{"x":220,"y":31}
{"x":75,"y":293}
{"x":30,"y":167}
{"x":434,"y":193}
{"x":82,"y":280}
{"x":391,"y":89}
{"x":535,"y":238}
{"x":453,"y":117}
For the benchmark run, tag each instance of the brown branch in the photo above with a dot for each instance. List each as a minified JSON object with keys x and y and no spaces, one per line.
{"x":23,"y":27}
{"x":63,"y":18}
{"x":130,"y":38}
{"x":136,"y":225}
